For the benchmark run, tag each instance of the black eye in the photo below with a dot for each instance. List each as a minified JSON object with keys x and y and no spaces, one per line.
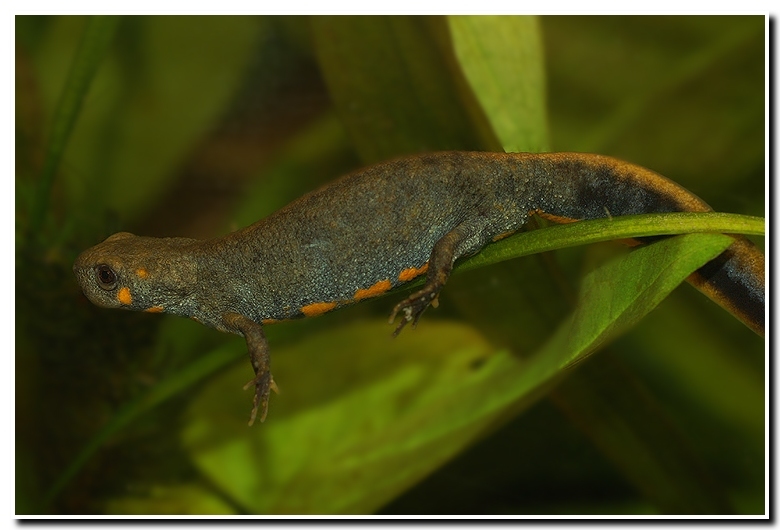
{"x":106,"y":277}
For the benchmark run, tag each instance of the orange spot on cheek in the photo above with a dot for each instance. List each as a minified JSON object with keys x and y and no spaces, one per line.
{"x":142,"y":273}
{"x":124,"y":296}
{"x":411,"y":273}
{"x":318,"y":308}
{"x":155,"y":309}
{"x":375,"y":290}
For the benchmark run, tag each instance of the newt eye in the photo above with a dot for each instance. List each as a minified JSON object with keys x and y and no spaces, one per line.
{"x":106,"y":277}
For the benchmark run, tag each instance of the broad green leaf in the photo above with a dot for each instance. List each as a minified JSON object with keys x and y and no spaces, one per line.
{"x":397,"y":87}
{"x":650,"y":274}
{"x":352,"y":427}
{"x":502,"y":60}
{"x":618,"y":415}
{"x":607,"y":402}
{"x":372,"y":425}
{"x":153,"y":110}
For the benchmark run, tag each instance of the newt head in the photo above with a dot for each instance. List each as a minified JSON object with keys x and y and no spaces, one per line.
{"x":139,"y":273}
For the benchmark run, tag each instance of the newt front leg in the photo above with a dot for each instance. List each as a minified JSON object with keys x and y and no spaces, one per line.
{"x":257,"y":346}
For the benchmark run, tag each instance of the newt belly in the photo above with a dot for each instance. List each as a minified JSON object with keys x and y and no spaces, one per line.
{"x":382,"y":226}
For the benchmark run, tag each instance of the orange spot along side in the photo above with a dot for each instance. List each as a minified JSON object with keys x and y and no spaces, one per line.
{"x":375,"y":290}
{"x":412,"y":273}
{"x":317,"y":308}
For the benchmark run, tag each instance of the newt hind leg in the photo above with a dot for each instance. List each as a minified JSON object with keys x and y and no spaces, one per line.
{"x":443,"y":256}
{"x":257,"y":347}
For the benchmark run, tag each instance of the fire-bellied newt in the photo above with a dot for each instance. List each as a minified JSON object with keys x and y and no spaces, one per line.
{"x":384,"y":225}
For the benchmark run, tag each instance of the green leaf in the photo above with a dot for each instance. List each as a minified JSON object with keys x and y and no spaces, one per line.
{"x":625,"y":227}
{"x":354,"y":425}
{"x":649,"y":275}
{"x":665,"y":473}
{"x":95,"y":42}
{"x":397,"y":86}
{"x":156,"y":105}
{"x":347,"y":418}
{"x":620,"y":417}
{"x":502,"y":59}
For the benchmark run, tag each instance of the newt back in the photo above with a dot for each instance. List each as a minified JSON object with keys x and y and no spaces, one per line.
{"x":384,"y":225}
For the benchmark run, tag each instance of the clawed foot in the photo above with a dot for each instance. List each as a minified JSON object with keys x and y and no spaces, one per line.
{"x":263,"y":383}
{"x":412,"y":308}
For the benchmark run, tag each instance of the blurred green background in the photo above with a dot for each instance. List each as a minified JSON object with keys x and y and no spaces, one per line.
{"x":195,"y":126}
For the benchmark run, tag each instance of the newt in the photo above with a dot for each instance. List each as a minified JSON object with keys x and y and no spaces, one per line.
{"x":376,"y":228}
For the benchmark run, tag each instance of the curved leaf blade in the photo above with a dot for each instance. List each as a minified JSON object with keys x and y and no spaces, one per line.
{"x":368,"y":426}
{"x":97,"y":38}
{"x":397,"y":87}
{"x":646,"y":276}
{"x":502,"y":59}
{"x":625,"y":227}
{"x":371,"y":426}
